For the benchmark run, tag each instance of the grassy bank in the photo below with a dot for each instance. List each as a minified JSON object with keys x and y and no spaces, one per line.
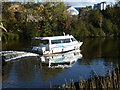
{"x":99,"y":82}
{"x":9,"y":36}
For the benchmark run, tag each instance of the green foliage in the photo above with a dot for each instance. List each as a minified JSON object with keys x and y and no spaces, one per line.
{"x":108,"y":27}
{"x":101,"y":23}
{"x":112,"y":20}
{"x":101,"y":33}
{"x":9,"y":36}
{"x":47,"y":29}
{"x":93,"y":30}
{"x":96,"y":18}
{"x":81,"y":29}
{"x":27,"y":30}
{"x":51,"y":18}
{"x":4,"y":37}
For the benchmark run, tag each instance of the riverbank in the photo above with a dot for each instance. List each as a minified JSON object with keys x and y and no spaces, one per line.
{"x":6,"y":36}
{"x":27,"y":20}
{"x":112,"y":80}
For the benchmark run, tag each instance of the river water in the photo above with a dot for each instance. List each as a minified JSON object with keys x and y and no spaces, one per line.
{"x":96,"y":57}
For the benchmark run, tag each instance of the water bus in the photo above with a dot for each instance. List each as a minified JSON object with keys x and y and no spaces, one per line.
{"x":55,"y":44}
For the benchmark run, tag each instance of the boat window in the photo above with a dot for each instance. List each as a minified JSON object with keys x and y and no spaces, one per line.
{"x":60,"y":41}
{"x":73,"y":39}
{"x":55,"y":41}
{"x":66,"y":40}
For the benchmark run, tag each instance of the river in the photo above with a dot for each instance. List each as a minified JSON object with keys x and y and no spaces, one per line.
{"x":97,"y":56}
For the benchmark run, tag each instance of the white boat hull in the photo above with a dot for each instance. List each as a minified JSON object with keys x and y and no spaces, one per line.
{"x":59,"y":48}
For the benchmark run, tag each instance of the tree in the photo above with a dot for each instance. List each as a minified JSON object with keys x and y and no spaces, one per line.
{"x":108,"y":27}
{"x":96,"y":18}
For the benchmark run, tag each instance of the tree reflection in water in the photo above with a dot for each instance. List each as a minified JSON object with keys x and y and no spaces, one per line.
{"x":52,"y":65}
{"x":25,"y":70}
{"x":48,"y":73}
{"x":100,"y":54}
{"x":6,"y":69}
{"x":105,"y":48}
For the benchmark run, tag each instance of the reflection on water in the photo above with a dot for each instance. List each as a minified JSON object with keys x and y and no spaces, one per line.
{"x":97,"y":56}
{"x":25,"y":70}
{"x":16,"y":45}
{"x":46,"y":67}
{"x":62,"y":60}
{"x":106,"y":48}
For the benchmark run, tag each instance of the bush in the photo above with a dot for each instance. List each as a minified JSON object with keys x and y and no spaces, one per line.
{"x":4,"y":36}
{"x":9,"y":36}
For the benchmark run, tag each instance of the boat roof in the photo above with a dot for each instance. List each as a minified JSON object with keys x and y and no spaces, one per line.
{"x":54,"y":37}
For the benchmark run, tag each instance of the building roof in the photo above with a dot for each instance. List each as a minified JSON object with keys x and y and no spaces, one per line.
{"x":73,"y":11}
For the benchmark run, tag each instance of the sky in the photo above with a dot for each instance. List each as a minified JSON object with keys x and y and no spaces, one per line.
{"x":95,"y":1}
{"x":89,"y":0}
{"x":84,"y":3}
{"x":74,"y":3}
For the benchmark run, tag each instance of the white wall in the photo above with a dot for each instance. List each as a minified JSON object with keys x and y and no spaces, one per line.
{"x":75,"y":12}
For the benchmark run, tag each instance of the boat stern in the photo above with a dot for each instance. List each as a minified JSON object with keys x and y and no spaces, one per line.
{"x":40,"y":50}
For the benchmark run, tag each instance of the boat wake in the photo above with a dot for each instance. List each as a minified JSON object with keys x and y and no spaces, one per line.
{"x":62,"y":60}
{"x":13,"y":55}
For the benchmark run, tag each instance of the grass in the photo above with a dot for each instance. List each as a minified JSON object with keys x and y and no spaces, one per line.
{"x":9,"y":36}
{"x":99,"y":82}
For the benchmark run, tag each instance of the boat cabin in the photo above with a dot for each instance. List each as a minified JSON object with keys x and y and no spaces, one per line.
{"x":54,"y":44}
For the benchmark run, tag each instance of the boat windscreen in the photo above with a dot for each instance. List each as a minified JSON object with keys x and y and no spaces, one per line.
{"x":73,"y":39}
{"x":44,"y":42}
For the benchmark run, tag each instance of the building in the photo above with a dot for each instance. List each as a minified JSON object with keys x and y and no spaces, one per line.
{"x":100,"y":6}
{"x":72,"y":10}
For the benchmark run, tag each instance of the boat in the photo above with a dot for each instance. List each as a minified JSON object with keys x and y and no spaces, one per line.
{"x":60,"y":60}
{"x":55,"y":44}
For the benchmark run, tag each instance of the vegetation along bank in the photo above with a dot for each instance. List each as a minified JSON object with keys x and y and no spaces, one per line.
{"x":100,"y":82}
{"x":27,"y":20}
